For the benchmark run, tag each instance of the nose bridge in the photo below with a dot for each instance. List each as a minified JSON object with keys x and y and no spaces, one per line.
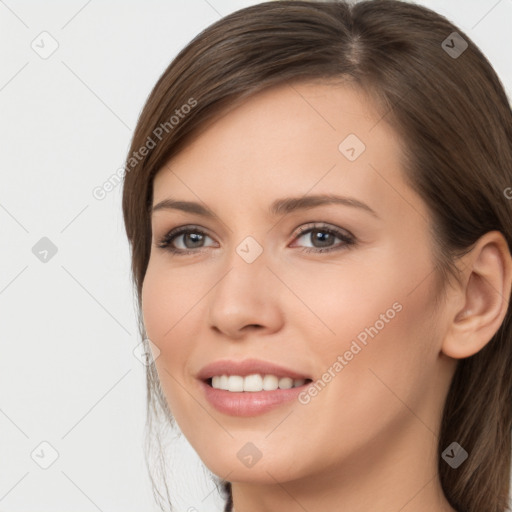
{"x":244,"y":295}
{"x":246,"y":271}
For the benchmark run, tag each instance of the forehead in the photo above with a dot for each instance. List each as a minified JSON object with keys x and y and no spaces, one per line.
{"x":290,"y":140}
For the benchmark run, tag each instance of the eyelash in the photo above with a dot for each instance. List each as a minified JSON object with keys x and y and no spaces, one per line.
{"x":347,"y":238}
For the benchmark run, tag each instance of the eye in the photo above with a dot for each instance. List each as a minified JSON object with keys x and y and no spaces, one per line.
{"x":192,"y":238}
{"x":324,"y":236}
{"x":192,"y":243}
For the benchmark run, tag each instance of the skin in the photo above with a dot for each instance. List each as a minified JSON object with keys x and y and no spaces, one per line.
{"x":368,"y":440}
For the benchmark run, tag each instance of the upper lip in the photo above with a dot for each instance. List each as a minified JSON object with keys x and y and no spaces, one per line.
{"x":247,"y":367}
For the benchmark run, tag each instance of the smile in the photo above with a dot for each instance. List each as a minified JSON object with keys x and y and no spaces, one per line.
{"x":254,"y":383}
{"x":251,"y":386}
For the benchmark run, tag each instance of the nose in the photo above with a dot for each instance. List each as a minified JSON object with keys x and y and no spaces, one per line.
{"x":246,"y":299}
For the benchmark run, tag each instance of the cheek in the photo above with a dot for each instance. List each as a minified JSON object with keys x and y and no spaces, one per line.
{"x":383,"y":321}
{"x":166,"y":304}
{"x":162,"y":307}
{"x":387,"y":361}
{"x":353,"y":295}
{"x":378,"y":316}
{"x":167,"y":297}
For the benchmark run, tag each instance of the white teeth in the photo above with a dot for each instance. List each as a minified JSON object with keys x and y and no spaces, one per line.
{"x":254,"y":382}
{"x":270,"y":382}
{"x":235,"y":383}
{"x":223,"y":382}
{"x":285,"y":383}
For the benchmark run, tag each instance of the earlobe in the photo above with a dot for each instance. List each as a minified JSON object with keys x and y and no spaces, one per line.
{"x":487,"y":282}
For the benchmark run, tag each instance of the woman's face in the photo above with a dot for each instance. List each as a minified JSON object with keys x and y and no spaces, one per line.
{"x":357,"y":319}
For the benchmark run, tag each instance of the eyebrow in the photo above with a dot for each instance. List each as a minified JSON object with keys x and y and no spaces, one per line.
{"x":278,"y":208}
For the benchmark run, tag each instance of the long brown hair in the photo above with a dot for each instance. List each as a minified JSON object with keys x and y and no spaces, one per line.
{"x":443,"y":98}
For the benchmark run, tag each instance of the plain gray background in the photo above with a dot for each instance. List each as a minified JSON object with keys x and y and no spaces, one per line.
{"x":68,"y":373}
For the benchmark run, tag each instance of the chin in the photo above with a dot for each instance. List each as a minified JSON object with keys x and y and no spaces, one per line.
{"x":260,"y":472}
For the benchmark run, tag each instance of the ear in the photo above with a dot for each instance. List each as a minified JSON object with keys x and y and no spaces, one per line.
{"x":484,"y":292}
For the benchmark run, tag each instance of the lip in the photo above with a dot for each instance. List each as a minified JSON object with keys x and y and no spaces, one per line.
{"x":248,"y":403}
{"x":247,"y":367}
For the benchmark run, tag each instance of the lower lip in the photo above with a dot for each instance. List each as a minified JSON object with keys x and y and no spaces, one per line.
{"x":249,"y":403}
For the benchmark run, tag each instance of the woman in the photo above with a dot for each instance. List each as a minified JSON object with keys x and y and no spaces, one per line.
{"x":369,"y":368}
